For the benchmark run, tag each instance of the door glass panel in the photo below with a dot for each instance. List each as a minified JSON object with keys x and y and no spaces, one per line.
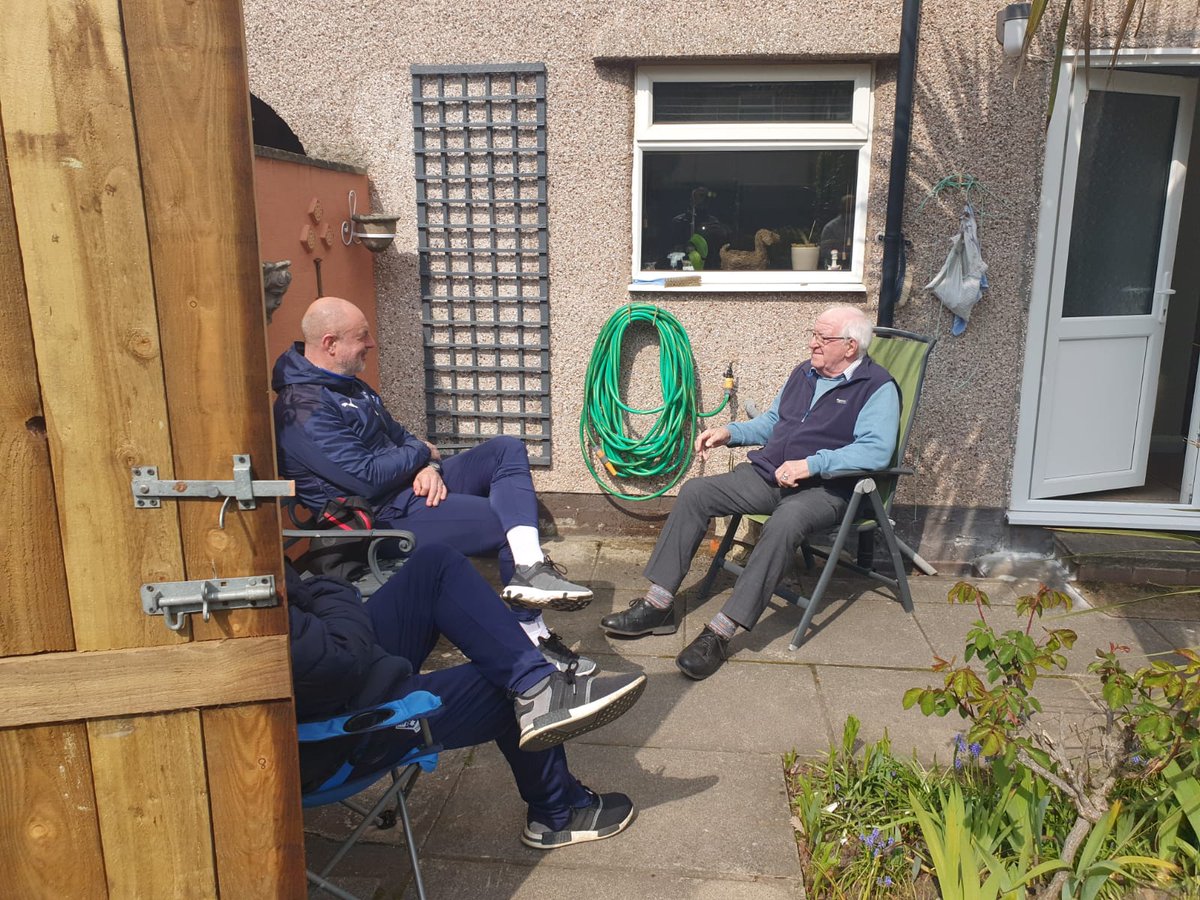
{"x":1120,"y":196}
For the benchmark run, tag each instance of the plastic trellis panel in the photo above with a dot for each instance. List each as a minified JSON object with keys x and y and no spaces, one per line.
{"x":480,"y":145}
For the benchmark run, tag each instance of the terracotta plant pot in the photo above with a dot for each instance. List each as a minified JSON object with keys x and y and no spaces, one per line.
{"x":804,"y":257}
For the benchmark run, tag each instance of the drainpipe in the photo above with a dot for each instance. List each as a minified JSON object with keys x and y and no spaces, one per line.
{"x":893,"y":237}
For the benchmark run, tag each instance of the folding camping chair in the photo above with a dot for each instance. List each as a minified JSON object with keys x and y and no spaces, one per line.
{"x":413,"y":713}
{"x":905,"y":356}
{"x":338,"y":550}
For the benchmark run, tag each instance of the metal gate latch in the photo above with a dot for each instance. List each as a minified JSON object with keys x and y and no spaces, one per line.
{"x":173,"y":600}
{"x":149,"y":490}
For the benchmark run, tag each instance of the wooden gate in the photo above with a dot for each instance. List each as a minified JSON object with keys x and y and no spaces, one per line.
{"x":134,"y":761}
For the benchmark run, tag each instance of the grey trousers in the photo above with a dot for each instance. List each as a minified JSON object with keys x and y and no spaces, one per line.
{"x":795,"y":514}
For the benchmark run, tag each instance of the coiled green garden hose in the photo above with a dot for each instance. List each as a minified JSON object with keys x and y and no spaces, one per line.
{"x":666,"y":448}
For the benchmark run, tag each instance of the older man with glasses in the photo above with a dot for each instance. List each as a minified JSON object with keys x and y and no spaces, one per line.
{"x":837,"y":412}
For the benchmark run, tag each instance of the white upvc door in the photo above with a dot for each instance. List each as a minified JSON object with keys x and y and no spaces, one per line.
{"x":1121,"y":190}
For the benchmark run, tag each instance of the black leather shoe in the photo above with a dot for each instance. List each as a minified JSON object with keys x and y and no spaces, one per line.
{"x":640,"y":619}
{"x":704,"y":655}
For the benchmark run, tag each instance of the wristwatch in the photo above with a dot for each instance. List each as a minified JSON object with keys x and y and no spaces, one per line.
{"x":435,"y":465}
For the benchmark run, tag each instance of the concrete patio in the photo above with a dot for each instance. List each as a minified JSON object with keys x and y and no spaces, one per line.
{"x":703,"y":760}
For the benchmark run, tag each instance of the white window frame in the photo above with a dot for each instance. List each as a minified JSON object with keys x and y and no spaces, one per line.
{"x":852,"y":135}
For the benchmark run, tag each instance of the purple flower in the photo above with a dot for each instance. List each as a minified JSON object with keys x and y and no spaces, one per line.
{"x":960,"y":742}
{"x":885,"y":881}
{"x":976,"y":749}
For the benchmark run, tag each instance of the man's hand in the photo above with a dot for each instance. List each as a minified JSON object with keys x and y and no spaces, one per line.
{"x":434,"y":452}
{"x":711,"y":437}
{"x":428,"y":484}
{"x":792,"y":472}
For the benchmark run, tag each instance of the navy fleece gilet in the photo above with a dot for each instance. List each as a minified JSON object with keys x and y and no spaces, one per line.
{"x":804,"y":428}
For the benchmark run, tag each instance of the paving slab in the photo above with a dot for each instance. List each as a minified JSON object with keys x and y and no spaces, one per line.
{"x":584,"y":626}
{"x":457,"y":879}
{"x":425,"y":804}
{"x":1178,"y":635}
{"x":874,"y":696}
{"x":701,"y":814}
{"x":934,"y":590}
{"x":947,"y":632}
{"x":746,"y":707}
{"x":1141,"y":601}
{"x":844,"y":631}
{"x":577,"y":555}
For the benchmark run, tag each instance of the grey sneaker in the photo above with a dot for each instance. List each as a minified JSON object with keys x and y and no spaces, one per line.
{"x":543,"y":586}
{"x":561,"y":656}
{"x":606,"y":815}
{"x":568,"y":704}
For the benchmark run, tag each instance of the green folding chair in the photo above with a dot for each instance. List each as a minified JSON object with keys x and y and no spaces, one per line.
{"x":905,"y":355}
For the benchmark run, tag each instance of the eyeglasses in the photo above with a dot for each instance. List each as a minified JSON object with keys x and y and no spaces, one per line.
{"x":824,"y":339}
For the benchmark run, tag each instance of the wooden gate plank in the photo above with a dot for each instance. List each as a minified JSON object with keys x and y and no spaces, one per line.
{"x":254,"y":770}
{"x":192,"y":107}
{"x":153,"y":806}
{"x":191,"y":104}
{"x":31,"y":563}
{"x":77,"y":197}
{"x":62,"y":687}
{"x":51,"y":844}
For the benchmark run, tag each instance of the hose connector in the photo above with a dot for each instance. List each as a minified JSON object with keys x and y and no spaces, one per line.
{"x":729,"y":379}
{"x":612,"y":470}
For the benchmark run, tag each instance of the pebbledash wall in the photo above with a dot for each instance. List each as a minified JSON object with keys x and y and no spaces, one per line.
{"x":339,"y":75}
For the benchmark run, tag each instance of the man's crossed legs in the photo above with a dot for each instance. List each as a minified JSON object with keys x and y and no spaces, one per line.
{"x":507,"y":693}
{"x":795,"y":514}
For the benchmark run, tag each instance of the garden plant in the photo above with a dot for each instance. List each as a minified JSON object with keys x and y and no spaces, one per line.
{"x":1018,"y":812}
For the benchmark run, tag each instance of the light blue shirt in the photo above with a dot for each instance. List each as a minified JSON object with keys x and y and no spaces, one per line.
{"x":875,"y":430}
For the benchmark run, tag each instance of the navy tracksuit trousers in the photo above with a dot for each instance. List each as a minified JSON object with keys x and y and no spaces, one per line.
{"x":437,"y":592}
{"x":489,"y":491}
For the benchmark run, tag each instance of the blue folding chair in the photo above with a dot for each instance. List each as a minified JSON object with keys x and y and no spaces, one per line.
{"x":411,"y":713}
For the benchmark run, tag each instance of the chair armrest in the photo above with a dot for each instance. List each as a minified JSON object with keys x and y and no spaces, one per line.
{"x":406,"y":540}
{"x":871,"y":473}
{"x":416,"y":706}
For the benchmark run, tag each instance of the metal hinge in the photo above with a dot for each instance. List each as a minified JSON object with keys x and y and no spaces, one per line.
{"x":149,"y":491}
{"x":175,"y":599}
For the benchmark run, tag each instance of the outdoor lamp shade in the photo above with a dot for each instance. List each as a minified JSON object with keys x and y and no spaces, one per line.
{"x":1010,"y":28}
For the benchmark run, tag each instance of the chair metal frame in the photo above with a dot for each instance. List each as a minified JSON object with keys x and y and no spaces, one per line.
{"x":399,"y":542}
{"x":411,"y":711}
{"x":879,"y":486}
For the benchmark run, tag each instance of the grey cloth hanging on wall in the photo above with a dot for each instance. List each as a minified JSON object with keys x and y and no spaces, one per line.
{"x":963,"y":278}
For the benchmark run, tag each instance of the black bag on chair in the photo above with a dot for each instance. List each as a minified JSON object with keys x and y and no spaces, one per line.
{"x":345,"y":559}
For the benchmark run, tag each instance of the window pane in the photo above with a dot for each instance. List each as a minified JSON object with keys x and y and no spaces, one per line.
{"x":753,"y":101}
{"x":725,"y":197}
{"x":1120,"y":195}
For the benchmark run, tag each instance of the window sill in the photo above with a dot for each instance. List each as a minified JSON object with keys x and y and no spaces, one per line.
{"x":791,"y":286}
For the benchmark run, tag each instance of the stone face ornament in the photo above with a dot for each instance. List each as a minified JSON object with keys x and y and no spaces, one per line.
{"x":277,"y":276}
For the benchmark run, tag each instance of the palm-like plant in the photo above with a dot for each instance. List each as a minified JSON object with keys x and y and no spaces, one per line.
{"x":1038,"y":10}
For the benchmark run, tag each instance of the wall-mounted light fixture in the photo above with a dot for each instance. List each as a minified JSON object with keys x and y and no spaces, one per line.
{"x":1010,"y":28}
{"x":374,"y":231}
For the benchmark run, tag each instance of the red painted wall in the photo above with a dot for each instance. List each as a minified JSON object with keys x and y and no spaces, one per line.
{"x":301,"y":206}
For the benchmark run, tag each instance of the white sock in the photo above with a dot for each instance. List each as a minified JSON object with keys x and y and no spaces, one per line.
{"x":526,"y":545}
{"x":535,"y":629}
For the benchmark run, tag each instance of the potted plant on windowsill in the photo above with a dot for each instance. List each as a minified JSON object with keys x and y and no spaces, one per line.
{"x":805,"y":251}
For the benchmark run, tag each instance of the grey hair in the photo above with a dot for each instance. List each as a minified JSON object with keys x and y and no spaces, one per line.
{"x":855,"y":325}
